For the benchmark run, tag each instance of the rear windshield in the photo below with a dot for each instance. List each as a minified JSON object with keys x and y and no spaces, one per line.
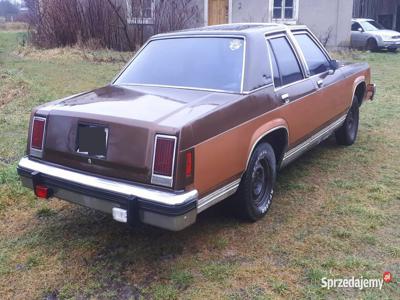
{"x":211,"y":63}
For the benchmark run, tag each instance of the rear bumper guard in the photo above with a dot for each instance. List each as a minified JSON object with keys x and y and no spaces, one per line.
{"x":128,"y":203}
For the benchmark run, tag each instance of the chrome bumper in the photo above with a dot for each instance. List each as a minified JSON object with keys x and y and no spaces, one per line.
{"x":125,"y":201}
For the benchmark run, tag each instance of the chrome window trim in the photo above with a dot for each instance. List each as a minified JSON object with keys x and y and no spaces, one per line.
{"x":155,"y":38}
{"x":317,"y":43}
{"x":299,"y":61}
{"x":179,"y":87}
{"x":33,"y":151}
{"x":105,"y":184}
{"x":162,"y":179}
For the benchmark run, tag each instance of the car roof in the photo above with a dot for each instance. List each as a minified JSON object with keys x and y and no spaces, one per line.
{"x":244,"y":29}
{"x":361,"y":20}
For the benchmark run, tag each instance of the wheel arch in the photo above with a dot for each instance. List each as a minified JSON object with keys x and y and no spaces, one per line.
{"x":360,"y":89}
{"x":276,"y":133}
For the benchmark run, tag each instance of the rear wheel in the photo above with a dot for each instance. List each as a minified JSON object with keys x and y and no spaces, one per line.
{"x":372,"y":45}
{"x":347,"y":134}
{"x":393,"y":50}
{"x":257,"y":186}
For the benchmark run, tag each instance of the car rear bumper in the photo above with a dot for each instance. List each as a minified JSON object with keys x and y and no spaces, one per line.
{"x":127,"y":202}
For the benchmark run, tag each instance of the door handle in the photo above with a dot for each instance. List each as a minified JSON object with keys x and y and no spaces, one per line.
{"x":285,"y":98}
{"x":320,"y":83}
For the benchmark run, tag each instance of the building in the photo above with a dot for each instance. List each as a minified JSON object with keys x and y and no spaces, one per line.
{"x":330,"y":20}
{"x":386,"y":12}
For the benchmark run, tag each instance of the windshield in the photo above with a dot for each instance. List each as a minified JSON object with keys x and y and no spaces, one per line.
{"x":211,"y":63}
{"x":371,"y":26}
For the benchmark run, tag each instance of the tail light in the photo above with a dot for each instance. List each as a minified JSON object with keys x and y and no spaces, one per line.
{"x":37,"y":135}
{"x":164,"y":159}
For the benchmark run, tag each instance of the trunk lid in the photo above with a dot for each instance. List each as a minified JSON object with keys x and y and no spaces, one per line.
{"x":132,"y":116}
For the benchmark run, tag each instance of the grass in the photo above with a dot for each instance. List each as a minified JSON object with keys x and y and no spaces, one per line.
{"x":335,"y":211}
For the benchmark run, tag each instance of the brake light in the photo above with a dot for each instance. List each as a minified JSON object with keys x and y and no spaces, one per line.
{"x":164,"y":155}
{"x":38,"y":127}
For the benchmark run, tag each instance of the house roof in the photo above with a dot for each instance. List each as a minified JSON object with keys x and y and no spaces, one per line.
{"x":247,"y":29}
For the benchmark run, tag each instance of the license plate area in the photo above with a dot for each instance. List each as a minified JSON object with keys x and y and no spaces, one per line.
{"x":92,"y":140}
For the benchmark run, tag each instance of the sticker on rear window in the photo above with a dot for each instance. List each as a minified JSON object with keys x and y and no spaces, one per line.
{"x":235,"y":44}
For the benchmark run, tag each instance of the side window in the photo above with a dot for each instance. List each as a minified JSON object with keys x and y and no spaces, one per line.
{"x":275,"y":70}
{"x":287,"y":65}
{"x":316,"y":60}
{"x":355,"y":26}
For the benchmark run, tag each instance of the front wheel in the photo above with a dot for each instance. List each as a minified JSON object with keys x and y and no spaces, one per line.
{"x":392,"y":50}
{"x":372,"y":45}
{"x":347,"y":134}
{"x":257,"y":186}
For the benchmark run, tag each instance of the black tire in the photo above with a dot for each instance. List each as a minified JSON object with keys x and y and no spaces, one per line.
{"x":372,"y":45}
{"x":256,"y":189}
{"x":392,"y":50}
{"x":347,"y":134}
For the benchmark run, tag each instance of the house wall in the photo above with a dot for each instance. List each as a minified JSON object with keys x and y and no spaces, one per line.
{"x":250,"y":11}
{"x":328,"y":17}
{"x":323,"y":17}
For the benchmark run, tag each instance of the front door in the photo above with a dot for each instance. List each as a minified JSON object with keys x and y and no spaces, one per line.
{"x":218,"y":12}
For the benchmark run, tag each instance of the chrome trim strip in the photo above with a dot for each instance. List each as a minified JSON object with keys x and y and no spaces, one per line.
{"x":146,"y":193}
{"x":162,"y":179}
{"x":33,"y":151}
{"x":312,"y":141}
{"x":217,"y":196}
{"x":164,"y":37}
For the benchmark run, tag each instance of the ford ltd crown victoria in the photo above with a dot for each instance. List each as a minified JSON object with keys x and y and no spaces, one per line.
{"x":195,"y":117}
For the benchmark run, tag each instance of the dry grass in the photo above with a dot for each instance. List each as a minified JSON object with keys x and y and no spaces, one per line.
{"x":13,"y":26}
{"x":335,"y":214}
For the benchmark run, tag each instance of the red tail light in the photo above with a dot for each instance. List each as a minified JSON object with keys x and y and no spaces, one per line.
{"x":164,"y":155}
{"x":42,"y":192}
{"x":38,"y":127}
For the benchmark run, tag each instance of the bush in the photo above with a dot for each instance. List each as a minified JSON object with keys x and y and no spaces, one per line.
{"x":101,"y":23}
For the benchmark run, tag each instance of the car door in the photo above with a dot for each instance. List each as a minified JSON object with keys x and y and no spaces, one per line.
{"x":357,"y":36}
{"x":331,"y":87}
{"x":296,"y":92}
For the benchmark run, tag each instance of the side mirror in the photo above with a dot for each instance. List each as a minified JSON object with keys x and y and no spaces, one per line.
{"x":360,"y":29}
{"x":334,"y":64}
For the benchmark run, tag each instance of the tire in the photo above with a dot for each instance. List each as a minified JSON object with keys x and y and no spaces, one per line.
{"x":256,"y":188}
{"x":347,"y":134}
{"x":372,"y":45}
{"x":392,"y":50}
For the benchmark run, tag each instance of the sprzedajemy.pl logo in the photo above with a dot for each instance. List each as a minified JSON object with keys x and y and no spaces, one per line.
{"x":357,"y":283}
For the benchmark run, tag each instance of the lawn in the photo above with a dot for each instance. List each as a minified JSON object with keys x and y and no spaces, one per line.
{"x":336,"y":211}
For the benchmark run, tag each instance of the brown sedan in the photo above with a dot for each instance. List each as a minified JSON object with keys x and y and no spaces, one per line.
{"x":195,"y":117}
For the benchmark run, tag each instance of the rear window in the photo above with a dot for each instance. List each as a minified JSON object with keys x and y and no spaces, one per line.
{"x":210,"y":63}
